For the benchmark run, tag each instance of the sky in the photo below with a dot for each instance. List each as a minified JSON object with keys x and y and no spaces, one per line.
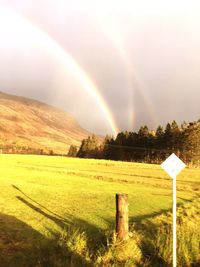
{"x":113,"y":65}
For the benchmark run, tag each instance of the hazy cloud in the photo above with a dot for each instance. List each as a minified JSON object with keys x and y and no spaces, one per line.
{"x":108,"y":39}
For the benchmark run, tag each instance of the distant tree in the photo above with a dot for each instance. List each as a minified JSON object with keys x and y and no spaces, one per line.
{"x":159,"y":131}
{"x":146,"y":145}
{"x":167,"y":136}
{"x":108,"y":147}
{"x":168,"y":129}
{"x":120,"y":146}
{"x":174,"y":126}
{"x":51,"y":152}
{"x":93,"y":142}
{"x":144,"y":141}
{"x":176,"y":137}
{"x":83,"y":149}
{"x":184,"y":126}
{"x":72,"y":151}
{"x":191,"y":143}
{"x":89,"y":148}
{"x":143,"y":132}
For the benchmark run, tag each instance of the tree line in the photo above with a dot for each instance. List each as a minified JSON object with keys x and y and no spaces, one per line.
{"x":146,"y":145}
{"x":8,"y":146}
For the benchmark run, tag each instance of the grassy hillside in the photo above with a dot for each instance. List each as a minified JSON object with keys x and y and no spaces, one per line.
{"x":29,"y":123}
{"x":57,"y":211}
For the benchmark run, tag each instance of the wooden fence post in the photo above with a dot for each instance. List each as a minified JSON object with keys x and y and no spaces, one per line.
{"x":122,"y":216}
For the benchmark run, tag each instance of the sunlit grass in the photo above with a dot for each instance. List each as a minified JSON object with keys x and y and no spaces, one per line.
{"x":43,"y":196}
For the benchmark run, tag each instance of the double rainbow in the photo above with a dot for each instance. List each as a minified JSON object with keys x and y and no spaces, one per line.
{"x":64,"y":57}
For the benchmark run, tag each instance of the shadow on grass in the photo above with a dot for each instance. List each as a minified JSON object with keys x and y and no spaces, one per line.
{"x":23,"y":246}
{"x":15,"y":238}
{"x":79,"y":224}
{"x":95,"y":237}
{"x":65,"y":223}
{"x":30,"y":248}
{"x":60,"y":222}
{"x":42,"y":206}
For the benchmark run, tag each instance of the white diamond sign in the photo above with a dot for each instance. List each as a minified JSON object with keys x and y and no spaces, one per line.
{"x":173,"y":165}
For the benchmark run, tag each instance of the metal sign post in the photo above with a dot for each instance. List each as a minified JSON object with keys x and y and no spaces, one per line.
{"x":174,"y":222}
{"x":173,"y":166}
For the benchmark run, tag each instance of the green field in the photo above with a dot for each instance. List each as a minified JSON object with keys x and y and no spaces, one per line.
{"x":58,"y":211}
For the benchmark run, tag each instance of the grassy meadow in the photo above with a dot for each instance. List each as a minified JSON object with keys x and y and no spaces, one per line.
{"x":57,"y":211}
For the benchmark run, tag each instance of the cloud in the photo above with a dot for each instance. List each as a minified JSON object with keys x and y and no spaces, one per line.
{"x":160,"y":43}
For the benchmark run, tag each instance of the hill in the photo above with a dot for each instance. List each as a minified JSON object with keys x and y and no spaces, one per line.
{"x":27,"y":124}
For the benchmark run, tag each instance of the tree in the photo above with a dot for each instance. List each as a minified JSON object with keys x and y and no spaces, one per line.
{"x":143,"y":132}
{"x":72,"y":151}
{"x":176,"y":137}
{"x":159,"y":132}
{"x":147,"y":146}
{"x":184,"y":126}
{"x":108,"y":147}
{"x":89,"y":148}
{"x":174,"y":126}
{"x":191,"y":143}
{"x":83,"y":149}
{"x":167,"y":136}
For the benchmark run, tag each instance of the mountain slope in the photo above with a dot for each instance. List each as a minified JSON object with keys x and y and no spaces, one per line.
{"x":29,"y":123}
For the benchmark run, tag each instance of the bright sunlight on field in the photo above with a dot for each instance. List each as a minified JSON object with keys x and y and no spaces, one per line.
{"x":58,"y":211}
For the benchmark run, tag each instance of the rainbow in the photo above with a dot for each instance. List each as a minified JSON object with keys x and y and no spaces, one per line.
{"x":133,"y":79}
{"x":64,"y":57}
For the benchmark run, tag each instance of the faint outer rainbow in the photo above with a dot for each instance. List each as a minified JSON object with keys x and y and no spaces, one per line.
{"x":134,"y":81}
{"x":63,"y":56}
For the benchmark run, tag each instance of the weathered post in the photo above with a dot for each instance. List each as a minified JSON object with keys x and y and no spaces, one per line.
{"x":122,"y":216}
